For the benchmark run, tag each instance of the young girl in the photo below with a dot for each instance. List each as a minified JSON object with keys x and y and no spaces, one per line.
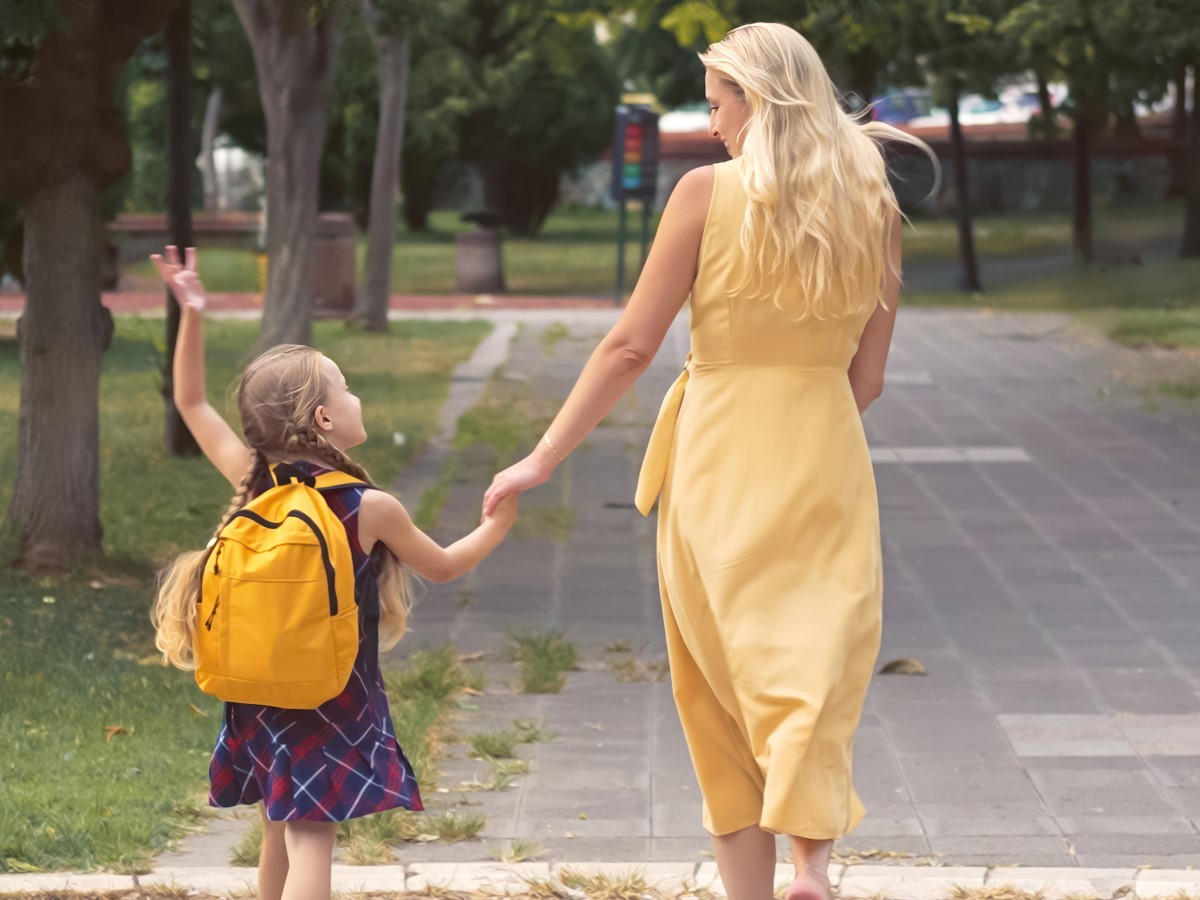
{"x":309,"y":769}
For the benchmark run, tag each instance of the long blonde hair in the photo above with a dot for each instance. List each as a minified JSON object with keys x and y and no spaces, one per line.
{"x":276,"y":398}
{"x":820,"y":207}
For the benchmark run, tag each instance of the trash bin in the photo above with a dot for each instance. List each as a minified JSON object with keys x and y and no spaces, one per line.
{"x":479,"y":261}
{"x":333,"y":252}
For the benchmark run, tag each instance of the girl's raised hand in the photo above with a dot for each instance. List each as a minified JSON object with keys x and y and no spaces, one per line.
{"x":182,"y":279}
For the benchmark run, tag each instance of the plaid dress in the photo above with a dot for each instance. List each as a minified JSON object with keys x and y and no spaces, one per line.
{"x":338,"y":761}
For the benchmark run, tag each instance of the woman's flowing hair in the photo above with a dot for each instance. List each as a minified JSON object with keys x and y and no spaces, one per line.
{"x":819,"y":207}
{"x":276,"y":398}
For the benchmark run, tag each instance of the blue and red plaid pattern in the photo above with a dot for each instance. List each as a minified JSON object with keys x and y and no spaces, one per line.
{"x":338,"y":761}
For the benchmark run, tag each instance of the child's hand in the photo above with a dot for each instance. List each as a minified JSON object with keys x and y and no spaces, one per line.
{"x":505,"y":512}
{"x":183,"y":281}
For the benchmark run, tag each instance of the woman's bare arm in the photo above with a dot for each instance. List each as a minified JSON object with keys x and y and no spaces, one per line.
{"x":866,"y":369}
{"x":629,"y":347}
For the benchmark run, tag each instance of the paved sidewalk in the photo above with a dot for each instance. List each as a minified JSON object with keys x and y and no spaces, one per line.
{"x":857,"y":882}
{"x":1041,"y":527}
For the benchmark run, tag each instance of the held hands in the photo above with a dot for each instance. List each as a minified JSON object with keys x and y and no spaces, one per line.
{"x":526,"y":474}
{"x":504,"y":513}
{"x":183,"y":281}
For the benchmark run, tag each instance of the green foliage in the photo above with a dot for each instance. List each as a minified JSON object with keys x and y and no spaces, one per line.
{"x":23,"y":27}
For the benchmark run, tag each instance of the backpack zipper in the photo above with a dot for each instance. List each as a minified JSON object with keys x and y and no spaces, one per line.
{"x":330,"y":574}
{"x":208,"y":623}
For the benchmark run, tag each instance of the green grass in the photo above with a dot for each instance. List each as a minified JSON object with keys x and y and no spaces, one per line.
{"x":78,"y":658}
{"x":542,"y":657}
{"x":1187,"y":389}
{"x":495,"y":744}
{"x":1041,"y":234}
{"x":508,"y":418}
{"x":1160,"y":284}
{"x":575,"y":255}
{"x":1157,"y":328}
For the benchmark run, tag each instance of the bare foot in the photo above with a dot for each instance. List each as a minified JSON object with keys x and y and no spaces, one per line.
{"x":810,"y":884}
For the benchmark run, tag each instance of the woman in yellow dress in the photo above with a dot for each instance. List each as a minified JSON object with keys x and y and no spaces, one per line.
{"x":768,"y":530}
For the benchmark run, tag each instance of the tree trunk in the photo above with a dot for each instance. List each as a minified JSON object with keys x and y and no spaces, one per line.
{"x":1176,"y":161}
{"x":1081,"y":228}
{"x":1190,"y":246}
{"x":1049,"y":127}
{"x":969,"y":274}
{"x":62,"y":336}
{"x":208,"y":160}
{"x":293,"y":59}
{"x":393,"y":51}
{"x":863,"y":73}
{"x":179,"y":441}
{"x":489,"y":159}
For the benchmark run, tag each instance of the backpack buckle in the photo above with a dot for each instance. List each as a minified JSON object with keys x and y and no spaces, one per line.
{"x":286,"y":473}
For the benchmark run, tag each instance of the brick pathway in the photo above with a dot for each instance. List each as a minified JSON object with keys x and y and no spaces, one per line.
{"x":1041,"y":524}
{"x":1041,"y":531}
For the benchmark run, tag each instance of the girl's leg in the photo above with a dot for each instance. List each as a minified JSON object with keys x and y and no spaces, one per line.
{"x":272,"y":859}
{"x":310,"y":856}
{"x":811,"y":858}
{"x":746,"y":861}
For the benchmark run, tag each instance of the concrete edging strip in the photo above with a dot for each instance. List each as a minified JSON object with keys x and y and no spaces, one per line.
{"x":895,"y":882}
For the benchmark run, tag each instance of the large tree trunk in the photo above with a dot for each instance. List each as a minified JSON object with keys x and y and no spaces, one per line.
{"x":66,"y":143}
{"x":62,"y":336}
{"x":293,"y":59}
{"x":1190,"y":246}
{"x":208,"y":139}
{"x":178,"y":440}
{"x":1177,"y":160}
{"x":393,"y":52}
{"x":1081,"y":226}
{"x":969,"y":273}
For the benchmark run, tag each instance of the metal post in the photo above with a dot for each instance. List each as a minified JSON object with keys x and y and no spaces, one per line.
{"x":620,"y":254}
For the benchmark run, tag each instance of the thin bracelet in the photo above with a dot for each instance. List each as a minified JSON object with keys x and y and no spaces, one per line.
{"x":546,"y":438}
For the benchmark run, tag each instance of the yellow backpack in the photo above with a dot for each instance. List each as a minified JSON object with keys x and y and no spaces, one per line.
{"x":276,"y":621}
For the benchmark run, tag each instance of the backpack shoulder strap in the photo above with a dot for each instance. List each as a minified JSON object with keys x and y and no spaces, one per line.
{"x":330,"y":481}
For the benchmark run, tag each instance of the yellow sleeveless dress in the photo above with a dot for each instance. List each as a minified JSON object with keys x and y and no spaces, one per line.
{"x":769,"y":557}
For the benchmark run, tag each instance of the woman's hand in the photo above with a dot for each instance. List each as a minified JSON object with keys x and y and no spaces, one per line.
{"x":528,"y":473}
{"x":505,"y":513}
{"x":183,"y":281}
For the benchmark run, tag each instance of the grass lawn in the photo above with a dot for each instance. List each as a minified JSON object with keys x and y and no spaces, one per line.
{"x":575,"y":255}
{"x":103,"y":753}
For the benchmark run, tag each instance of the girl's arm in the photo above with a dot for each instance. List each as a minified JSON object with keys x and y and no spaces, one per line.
{"x":866,"y":369}
{"x":219,"y":442}
{"x":382,"y":517}
{"x":629,"y":347}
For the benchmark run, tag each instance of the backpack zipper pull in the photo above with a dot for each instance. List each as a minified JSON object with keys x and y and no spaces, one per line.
{"x":217,"y":558}
{"x":208,"y":623}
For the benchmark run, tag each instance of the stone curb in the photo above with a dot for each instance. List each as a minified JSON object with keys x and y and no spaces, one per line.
{"x":894,"y":882}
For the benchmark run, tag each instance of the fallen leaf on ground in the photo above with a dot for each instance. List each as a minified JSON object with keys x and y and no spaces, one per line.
{"x":903,"y":667}
{"x":197,"y":710}
{"x":110,"y":731}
